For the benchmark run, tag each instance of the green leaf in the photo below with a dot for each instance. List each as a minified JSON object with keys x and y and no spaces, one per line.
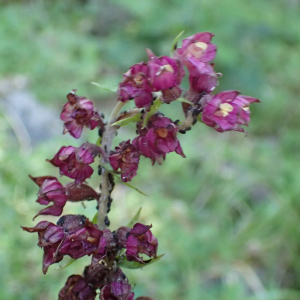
{"x":174,"y":44}
{"x":136,"y":265}
{"x":184,"y":100}
{"x":132,"y":187}
{"x":66,"y":265}
{"x":98,"y":143}
{"x":126,"y":183}
{"x":94,"y":221}
{"x":106,"y":87}
{"x":134,"y":219}
{"x":129,"y":120}
{"x":199,"y":118}
{"x":108,"y":168}
{"x":154,"y":108}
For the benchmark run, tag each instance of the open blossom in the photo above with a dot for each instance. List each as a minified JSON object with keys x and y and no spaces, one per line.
{"x":74,"y":162}
{"x":135,"y":86}
{"x":126,"y":158}
{"x":140,"y":240}
{"x":195,"y":49}
{"x":158,"y":139}
{"x":51,"y":190}
{"x":77,"y":113}
{"x":227,"y":111}
{"x":165,"y":74}
{"x":74,"y":235}
{"x":77,"y":288}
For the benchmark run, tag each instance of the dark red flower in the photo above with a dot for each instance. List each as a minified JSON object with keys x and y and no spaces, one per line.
{"x":51,"y":190}
{"x":227,"y":111}
{"x":107,"y":246}
{"x":165,"y":74}
{"x":76,"y":288}
{"x":74,"y":235}
{"x":135,"y":86}
{"x":140,"y":240}
{"x":117,"y":291}
{"x":77,"y":113}
{"x":157,"y":139}
{"x":122,"y":235}
{"x":74,"y":162}
{"x":203,"y":79}
{"x":125,"y":157}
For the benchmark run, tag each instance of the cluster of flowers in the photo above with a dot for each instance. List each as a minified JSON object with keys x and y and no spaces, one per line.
{"x":157,"y":80}
{"x":161,"y":77}
{"x":76,"y":236}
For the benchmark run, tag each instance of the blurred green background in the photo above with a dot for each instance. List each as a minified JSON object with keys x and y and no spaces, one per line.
{"x":227,"y":216}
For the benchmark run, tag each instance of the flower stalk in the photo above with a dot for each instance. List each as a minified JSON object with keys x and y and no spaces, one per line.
{"x":107,"y":139}
{"x":150,"y":85}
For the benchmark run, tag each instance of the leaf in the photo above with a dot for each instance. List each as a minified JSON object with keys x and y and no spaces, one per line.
{"x":154,"y":108}
{"x":174,"y":44}
{"x":106,"y":87}
{"x":98,"y":143}
{"x":126,"y":183}
{"x":136,"y":265}
{"x":108,"y":168}
{"x":127,"y":121}
{"x":132,"y":187}
{"x":185,"y":101}
{"x":134,"y":219}
{"x":199,"y":118}
{"x":94,"y":221}
{"x":66,"y":265}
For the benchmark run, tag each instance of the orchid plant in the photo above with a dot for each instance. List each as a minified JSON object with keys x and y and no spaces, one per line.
{"x":150,"y":84}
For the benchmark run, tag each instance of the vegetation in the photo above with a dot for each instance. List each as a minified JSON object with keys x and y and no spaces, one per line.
{"x":236,"y":197}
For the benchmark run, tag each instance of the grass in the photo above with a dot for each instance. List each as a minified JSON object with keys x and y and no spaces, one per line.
{"x":227,"y":216}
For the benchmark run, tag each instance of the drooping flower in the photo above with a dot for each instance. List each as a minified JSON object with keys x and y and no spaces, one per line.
{"x":125,"y":157}
{"x":204,"y":79}
{"x":122,"y":234}
{"x":51,"y":190}
{"x":202,"y":82}
{"x":140,"y":240}
{"x":107,"y":247}
{"x":117,"y":287}
{"x":74,"y":162}
{"x":158,"y":138}
{"x":117,"y":291}
{"x":195,"y":49}
{"x":165,"y":74}
{"x":74,"y":235}
{"x":227,"y":111}
{"x":135,"y":86}
{"x":77,"y":288}
{"x":77,"y":113}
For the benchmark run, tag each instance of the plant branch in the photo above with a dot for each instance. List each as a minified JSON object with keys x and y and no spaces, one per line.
{"x":107,"y":139}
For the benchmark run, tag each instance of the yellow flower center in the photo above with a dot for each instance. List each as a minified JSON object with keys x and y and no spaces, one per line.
{"x":168,"y":68}
{"x":164,"y":68}
{"x":138,"y":79}
{"x":202,"y":46}
{"x":225,"y":109}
